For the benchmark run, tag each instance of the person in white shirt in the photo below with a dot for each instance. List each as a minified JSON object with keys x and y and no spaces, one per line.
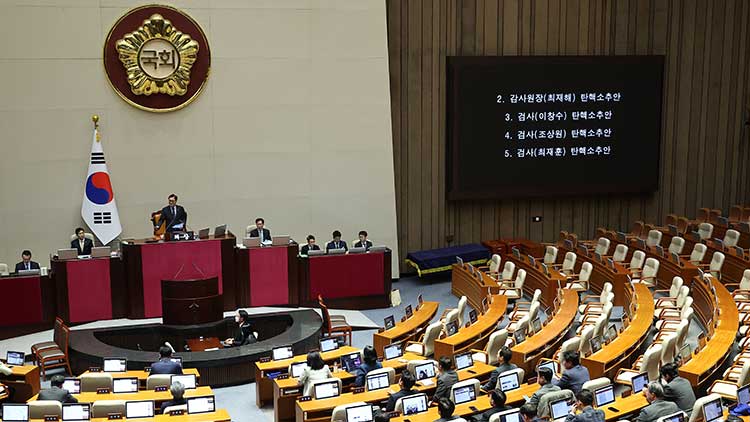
{"x":316,"y":370}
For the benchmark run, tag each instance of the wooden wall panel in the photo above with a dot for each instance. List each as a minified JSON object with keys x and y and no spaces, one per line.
{"x":704,"y":151}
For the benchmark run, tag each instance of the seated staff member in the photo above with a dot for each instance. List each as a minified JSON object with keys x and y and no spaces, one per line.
{"x":316,"y":370}
{"x":370,"y":364}
{"x":528,"y":413}
{"x":657,"y":407}
{"x":406,"y":383}
{"x":497,"y":401}
{"x":165,"y":364}
{"x":310,"y":246}
{"x":80,"y":243}
{"x":574,"y":374}
{"x":26,"y":262}
{"x":174,"y":215}
{"x":178,"y":396}
{"x":583,"y":412}
{"x":363,"y":242}
{"x":445,"y":379}
{"x":544,"y":379}
{"x":244,"y":331}
{"x":677,"y":389}
{"x":446,"y":409}
{"x":260,"y":231}
{"x":336,"y":243}
{"x":503,"y":364}
{"x":56,"y":392}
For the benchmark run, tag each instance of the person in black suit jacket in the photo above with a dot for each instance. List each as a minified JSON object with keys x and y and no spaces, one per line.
{"x":336,"y":243}
{"x":174,"y":215}
{"x":497,"y":401}
{"x":244,"y":331}
{"x":56,"y":392}
{"x":260,"y":231}
{"x":80,"y":243}
{"x":178,"y":396}
{"x":26,"y":263}
{"x":363,"y":242}
{"x":311,"y":246}
{"x":406,"y":383}
{"x":165,"y":365}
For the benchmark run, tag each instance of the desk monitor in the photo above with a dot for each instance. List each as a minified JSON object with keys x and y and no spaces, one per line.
{"x":598,"y":257}
{"x":509,"y":381}
{"x":297,"y":369}
{"x":409,"y":311}
{"x":100,"y":251}
{"x":339,"y":251}
{"x":29,"y":272}
{"x":377,"y":381}
{"x":281,"y":353}
{"x":545,"y":269}
{"x":73,"y":385}
{"x":743,"y":394}
{"x":604,"y":396}
{"x":519,"y":336}
{"x":513,"y":415}
{"x":532,"y":261}
{"x":674,"y":417}
{"x":125,"y":385}
{"x":672,"y":229}
{"x":76,"y":412}
{"x":611,"y":332}
{"x":203,"y":233}
{"x":377,"y":248}
{"x":282,"y":240}
{"x":485,"y":304}
{"x":15,"y":358}
{"x":536,"y":325}
{"x":361,"y":413}
{"x":15,"y":412}
{"x":188,"y":380}
{"x":559,"y":409}
{"x":203,"y":404}
{"x":463,"y":361}
{"x":393,"y":351}
{"x":660,"y":250}
{"x":252,"y":242}
{"x":611,"y":263}
{"x":451,"y":328}
{"x":389,"y":322}
{"x":351,"y":361}
{"x":356,"y":250}
{"x":115,"y":365}
{"x":739,"y":252}
{"x":326,"y":390}
{"x":464,"y":394}
{"x":473,"y":316}
{"x":622,"y":237}
{"x":596,"y":344}
{"x":424,"y":371}
{"x":712,"y":410}
{"x":686,"y":353}
{"x":516,"y":253}
{"x":139,"y":409}
{"x":551,"y":364}
{"x":568,"y":244}
{"x":639,"y":382}
{"x":328,"y":344}
{"x":414,"y":404}
{"x":220,"y":230}
{"x":316,"y":252}
{"x":67,"y":253}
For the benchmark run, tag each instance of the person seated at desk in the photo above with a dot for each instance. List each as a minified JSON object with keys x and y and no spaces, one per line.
{"x":574,"y":374}
{"x":657,"y":407}
{"x":26,"y":262}
{"x":370,"y":364}
{"x":80,"y":243}
{"x":178,"y":396}
{"x":406,"y":383}
{"x":677,"y":389}
{"x":56,"y":392}
{"x":528,"y":413}
{"x":497,"y":401}
{"x":503,"y":364}
{"x":446,"y":409}
{"x":261,"y":232}
{"x":244,"y":332}
{"x":583,"y":412}
{"x":336,"y":243}
{"x":544,"y":379}
{"x":311,"y":246}
{"x":363,"y":242}
{"x":445,"y":379}
{"x":382,"y":417}
{"x":174,"y":215}
{"x":316,"y":370}
{"x":165,"y":364}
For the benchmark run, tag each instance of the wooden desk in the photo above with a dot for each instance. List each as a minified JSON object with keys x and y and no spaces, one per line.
{"x":158,"y":397}
{"x":720,"y":230}
{"x":220,"y":415}
{"x":701,"y":368}
{"x":482,"y":403}
{"x":321,"y":409}
{"x":264,"y":385}
{"x":624,"y":406}
{"x":474,"y":336}
{"x":473,"y":286}
{"x":536,"y":279}
{"x":602,"y":273}
{"x":198,"y":345}
{"x":623,"y":350}
{"x":24,"y":380}
{"x":544,"y":343}
{"x":405,"y":331}
{"x":143,"y":375}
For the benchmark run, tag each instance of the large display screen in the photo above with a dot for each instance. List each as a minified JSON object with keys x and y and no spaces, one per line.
{"x":562,"y":125}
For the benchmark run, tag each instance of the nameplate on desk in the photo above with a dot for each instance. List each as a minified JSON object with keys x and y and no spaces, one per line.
{"x":95,"y":369}
{"x":147,"y":369}
{"x":177,"y":412}
{"x":51,"y":418}
{"x":291,"y":391}
{"x":403,"y":319}
{"x":393,"y":414}
{"x":265,"y":359}
{"x":160,"y":388}
{"x":305,"y":398}
{"x":283,"y":377}
{"x":113,"y":416}
{"x":102,"y":391}
{"x":357,"y":390}
{"x":468,"y":324}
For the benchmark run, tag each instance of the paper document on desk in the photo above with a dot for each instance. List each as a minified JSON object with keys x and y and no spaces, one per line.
{"x":427,"y":382}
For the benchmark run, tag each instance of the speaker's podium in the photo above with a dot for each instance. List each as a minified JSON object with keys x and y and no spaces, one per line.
{"x":191,"y":302}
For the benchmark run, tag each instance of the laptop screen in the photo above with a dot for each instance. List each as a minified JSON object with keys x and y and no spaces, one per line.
{"x":328,"y":344}
{"x":15,"y":358}
{"x":139,"y":409}
{"x":464,"y":361}
{"x":281,"y":353}
{"x":115,"y":365}
{"x":513,"y":415}
{"x":188,"y":380}
{"x":552,"y":365}
{"x":712,"y":410}
{"x":425,"y":370}
{"x":377,"y":382}
{"x":298,"y":368}
{"x":519,"y":336}
{"x":76,"y":412}
{"x":675,"y":417}
{"x":464,"y":394}
{"x":73,"y":385}
{"x":604,"y":396}
{"x":351,"y":361}
{"x":639,"y":382}
{"x":362,"y":413}
{"x":473,"y":316}
{"x":451,"y":328}
{"x":327,"y":390}
{"x":409,"y":311}
{"x":508,"y":382}
{"x":201,"y":405}
{"x":389,"y":322}
{"x":559,"y":409}
{"x":414,"y":404}
{"x":15,"y":412}
{"x":393,"y":351}
{"x":596,"y":344}
{"x":743,"y":394}
{"x":125,"y":385}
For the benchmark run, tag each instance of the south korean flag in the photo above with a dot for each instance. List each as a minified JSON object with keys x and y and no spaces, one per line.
{"x":99,"y":209}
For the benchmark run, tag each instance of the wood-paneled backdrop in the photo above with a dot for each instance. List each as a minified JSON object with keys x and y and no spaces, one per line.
{"x":704,"y":150}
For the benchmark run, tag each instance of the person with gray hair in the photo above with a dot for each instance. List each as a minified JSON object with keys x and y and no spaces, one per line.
{"x":178,"y":393}
{"x":657,"y":407}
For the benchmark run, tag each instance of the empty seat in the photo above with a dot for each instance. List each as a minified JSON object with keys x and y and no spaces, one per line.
{"x":602,"y":246}
{"x":676,"y":245}
{"x":514,"y":289}
{"x":596,"y":383}
{"x":38,"y":409}
{"x":158,"y":380}
{"x":621,"y":252}
{"x":653,"y":239}
{"x":550,"y":255}
{"x":705,"y":230}
{"x":731,"y":238}
{"x":698,"y":253}
{"x":648,"y":275}
{"x":102,"y":408}
{"x":426,"y":347}
{"x":494,"y":344}
{"x":581,"y":283}
{"x":92,"y":381}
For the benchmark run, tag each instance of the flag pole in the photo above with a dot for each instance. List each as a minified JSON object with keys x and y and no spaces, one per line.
{"x":95,"y":119}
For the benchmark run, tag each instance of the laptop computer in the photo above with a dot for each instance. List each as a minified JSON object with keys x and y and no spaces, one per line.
{"x":508,"y":382}
{"x":512,"y":415}
{"x":220,"y":231}
{"x":203,"y":233}
{"x":339,"y":251}
{"x":15,"y":358}
{"x":29,"y":272}
{"x":463,"y":361}
{"x":328,"y":344}
{"x":67,"y":253}
{"x":73,"y":385}
{"x":414,"y":404}
{"x":326,"y":390}
{"x":712,"y":410}
{"x":361,"y":413}
{"x":379,"y":248}
{"x":101,"y":251}
{"x":281,"y":353}
{"x":357,"y":250}
{"x":125,"y":385}
{"x":15,"y":412}
{"x":76,"y":412}
{"x":115,"y":365}
{"x":377,"y":382}
{"x":252,"y":242}
{"x":464,"y":394}
{"x":203,"y":404}
{"x":317,"y":252}
{"x":674,"y":417}
{"x":139,"y":409}
{"x":639,"y":382}
{"x":282,"y":240}
{"x":604,"y":396}
{"x":393,"y":351}
{"x":559,"y":410}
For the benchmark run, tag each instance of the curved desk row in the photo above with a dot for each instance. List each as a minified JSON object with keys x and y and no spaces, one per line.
{"x":474,"y":285}
{"x":601,"y":273}
{"x":733,"y":266}
{"x":406,"y":330}
{"x":537,"y":279}
{"x":474,"y":336}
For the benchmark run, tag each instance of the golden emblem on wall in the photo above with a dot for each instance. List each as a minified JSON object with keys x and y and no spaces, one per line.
{"x":157,"y":57}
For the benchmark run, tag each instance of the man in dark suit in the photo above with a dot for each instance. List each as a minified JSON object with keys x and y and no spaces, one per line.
{"x":678,"y":389}
{"x":406,"y":383}
{"x":363,"y":242}
{"x":26,"y":262}
{"x":80,"y":243}
{"x":56,"y":392}
{"x":657,"y":407}
{"x":445,"y":379}
{"x":336,"y":243}
{"x":311,"y":246}
{"x":503,"y":364}
{"x":497,"y":401}
{"x":544,"y":379}
{"x":259,"y":231}
{"x":574,"y":374}
{"x":165,"y":364}
{"x":586,"y":413}
{"x":174,"y":215}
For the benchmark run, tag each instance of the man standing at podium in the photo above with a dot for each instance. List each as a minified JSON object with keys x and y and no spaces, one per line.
{"x":174,"y":215}
{"x":80,"y":243}
{"x":26,"y":262}
{"x":259,"y":231}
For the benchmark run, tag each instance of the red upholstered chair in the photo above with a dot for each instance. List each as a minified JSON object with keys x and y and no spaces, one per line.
{"x":334,"y":326}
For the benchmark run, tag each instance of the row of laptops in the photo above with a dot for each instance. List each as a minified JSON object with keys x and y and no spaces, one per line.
{"x":254,"y":242}
{"x":72,"y":253}
{"x":121,"y":364}
{"x":133,"y":409}
{"x":130,"y":384}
